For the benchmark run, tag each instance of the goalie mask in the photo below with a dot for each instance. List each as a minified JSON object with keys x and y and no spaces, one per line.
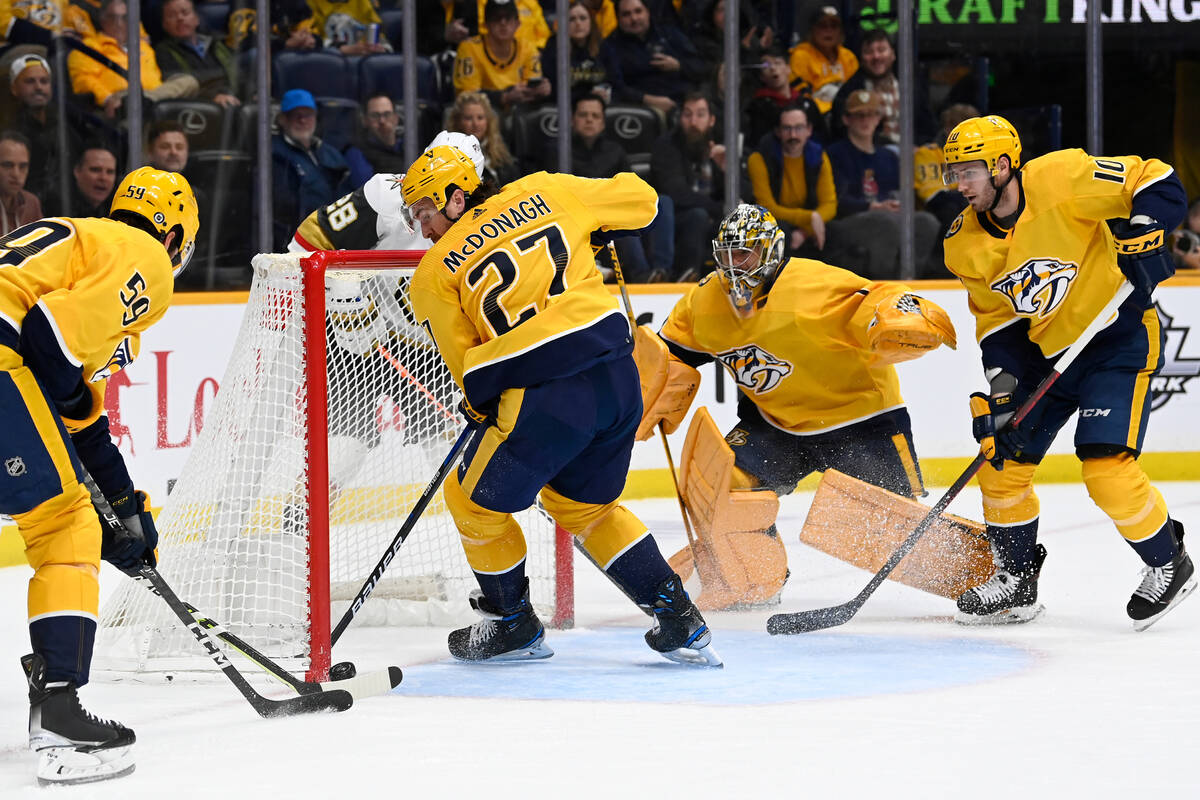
{"x":748,"y":250}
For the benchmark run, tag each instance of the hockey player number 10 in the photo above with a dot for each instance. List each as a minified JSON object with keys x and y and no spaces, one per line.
{"x":31,"y":239}
{"x":505,"y":267}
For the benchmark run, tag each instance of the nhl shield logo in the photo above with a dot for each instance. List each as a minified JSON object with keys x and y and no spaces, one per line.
{"x":755,"y":368}
{"x":1038,"y":286}
{"x":15,"y":467}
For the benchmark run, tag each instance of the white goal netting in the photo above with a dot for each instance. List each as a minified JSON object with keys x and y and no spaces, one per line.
{"x":235,"y":533}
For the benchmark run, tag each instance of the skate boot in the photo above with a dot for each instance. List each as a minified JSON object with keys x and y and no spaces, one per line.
{"x":679,"y":632}
{"x":516,"y":635}
{"x":1006,"y":598}
{"x":73,"y":745}
{"x":1163,"y":587}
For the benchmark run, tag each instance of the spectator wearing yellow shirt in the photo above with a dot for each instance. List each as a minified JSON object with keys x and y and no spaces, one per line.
{"x":822,"y":61}
{"x":793,"y":179}
{"x":534,"y":28}
{"x":346,"y":25}
{"x":499,"y":63}
{"x":91,"y":77}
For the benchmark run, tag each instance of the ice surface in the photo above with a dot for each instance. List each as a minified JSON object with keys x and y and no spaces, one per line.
{"x":899,"y":702}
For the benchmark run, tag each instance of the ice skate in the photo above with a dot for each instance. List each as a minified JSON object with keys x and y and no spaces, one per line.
{"x":679,"y":632}
{"x":1162,"y":588}
{"x":73,"y":745}
{"x":1006,"y":598}
{"x":513,"y":636}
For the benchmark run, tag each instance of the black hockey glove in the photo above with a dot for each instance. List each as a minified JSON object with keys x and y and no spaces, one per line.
{"x":473,"y":416}
{"x":1142,"y":253}
{"x":132,"y":544}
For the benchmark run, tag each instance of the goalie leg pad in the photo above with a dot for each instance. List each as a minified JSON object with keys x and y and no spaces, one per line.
{"x":863,"y":525}
{"x":739,"y":560}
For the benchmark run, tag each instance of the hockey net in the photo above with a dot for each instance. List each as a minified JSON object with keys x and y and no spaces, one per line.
{"x":308,"y":464}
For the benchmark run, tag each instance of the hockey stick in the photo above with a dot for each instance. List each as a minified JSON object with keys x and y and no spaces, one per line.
{"x":402,"y":534}
{"x":408,"y":376}
{"x":312,"y":700}
{"x":662,"y":431}
{"x":821,"y":618}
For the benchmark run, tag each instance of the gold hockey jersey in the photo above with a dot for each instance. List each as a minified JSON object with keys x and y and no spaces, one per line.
{"x":475,"y":68}
{"x":99,"y":282}
{"x":803,"y":357}
{"x":1056,"y":267}
{"x":511,"y":293}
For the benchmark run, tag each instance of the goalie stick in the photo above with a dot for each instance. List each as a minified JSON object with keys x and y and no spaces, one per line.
{"x":821,"y":618}
{"x":376,"y":574}
{"x":149,"y":577}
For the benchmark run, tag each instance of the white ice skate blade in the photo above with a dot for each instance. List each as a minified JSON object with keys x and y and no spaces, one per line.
{"x":1011,"y":616}
{"x":64,"y":766}
{"x":1142,"y":624}
{"x":704,"y":656}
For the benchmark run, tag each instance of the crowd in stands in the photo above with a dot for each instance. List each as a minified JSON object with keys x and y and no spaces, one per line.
{"x":819,"y":125}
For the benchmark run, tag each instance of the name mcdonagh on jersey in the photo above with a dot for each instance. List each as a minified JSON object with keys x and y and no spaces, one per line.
{"x":522,"y":213}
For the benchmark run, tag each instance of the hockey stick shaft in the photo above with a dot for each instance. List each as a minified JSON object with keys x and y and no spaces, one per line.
{"x":408,"y":376}
{"x":376,"y":574}
{"x":821,"y":618}
{"x":154,"y":582}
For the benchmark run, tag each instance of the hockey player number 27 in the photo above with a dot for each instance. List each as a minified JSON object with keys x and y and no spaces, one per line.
{"x":499,"y":318}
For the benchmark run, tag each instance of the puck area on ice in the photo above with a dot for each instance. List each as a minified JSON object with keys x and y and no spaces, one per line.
{"x":614,"y":664}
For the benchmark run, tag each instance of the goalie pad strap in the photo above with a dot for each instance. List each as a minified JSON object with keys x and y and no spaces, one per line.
{"x":739,"y":559}
{"x":668,"y":384}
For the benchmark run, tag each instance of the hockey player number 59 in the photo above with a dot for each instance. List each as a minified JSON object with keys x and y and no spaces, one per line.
{"x":498,"y":317}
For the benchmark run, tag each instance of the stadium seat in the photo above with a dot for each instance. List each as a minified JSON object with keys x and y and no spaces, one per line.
{"x":224,"y":182}
{"x":393,"y":26}
{"x":385,"y":72}
{"x":323,"y":73}
{"x":247,"y":133}
{"x":337,"y":120}
{"x":214,"y":17}
{"x":635,"y":128}
{"x":206,"y":124}
{"x":534,"y":133}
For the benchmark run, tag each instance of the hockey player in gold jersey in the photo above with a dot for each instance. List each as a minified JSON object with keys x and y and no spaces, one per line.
{"x":512,"y":297}
{"x":75,"y":297}
{"x":1039,"y":262}
{"x":811,"y":348}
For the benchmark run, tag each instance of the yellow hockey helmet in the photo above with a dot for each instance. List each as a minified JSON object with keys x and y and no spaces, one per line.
{"x":165,"y":201}
{"x":748,"y":249}
{"x":434,"y":173}
{"x":983,"y":139}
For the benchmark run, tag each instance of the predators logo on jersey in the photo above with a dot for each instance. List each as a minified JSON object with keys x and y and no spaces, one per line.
{"x":1038,"y":286}
{"x":122,"y":357}
{"x":755,"y":368}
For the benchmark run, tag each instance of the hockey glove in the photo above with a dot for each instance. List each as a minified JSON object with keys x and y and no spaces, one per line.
{"x":473,"y":416}
{"x":991,"y":424}
{"x":906,"y":327}
{"x":134,"y":545}
{"x":1142,"y":253}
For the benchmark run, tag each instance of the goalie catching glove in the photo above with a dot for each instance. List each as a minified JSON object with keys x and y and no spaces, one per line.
{"x":668,"y":384}
{"x":906,"y":327}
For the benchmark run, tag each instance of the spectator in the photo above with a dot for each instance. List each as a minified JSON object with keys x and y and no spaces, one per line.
{"x":1185,"y":242}
{"x":943,"y":201}
{"x":167,"y":146}
{"x":821,"y":61}
{"x":533,"y":27}
{"x":505,"y":68}
{"x":291,"y":26}
{"x":379,"y":148}
{"x":38,"y":23}
{"x":877,"y":73}
{"x":95,"y":176}
{"x":37,"y":119}
{"x":444,"y":26}
{"x":472,"y":113}
{"x":708,"y":34}
{"x":307,"y":173}
{"x":604,"y":15}
{"x":689,"y":167}
{"x":775,"y":92}
{"x":587,"y":70}
{"x":867,"y":178}
{"x":793,"y":179}
{"x":353,"y":27}
{"x":187,"y":51}
{"x":595,"y":155}
{"x":651,"y":64}
{"x":17,"y":206}
{"x":107,"y":88}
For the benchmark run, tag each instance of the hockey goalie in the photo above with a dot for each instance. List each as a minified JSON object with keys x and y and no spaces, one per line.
{"x":812,"y":350}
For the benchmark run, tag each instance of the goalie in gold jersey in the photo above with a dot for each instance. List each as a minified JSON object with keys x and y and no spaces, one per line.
{"x":512,"y":297}
{"x":1039,"y":260}
{"x":810,"y":348}
{"x":75,"y":297}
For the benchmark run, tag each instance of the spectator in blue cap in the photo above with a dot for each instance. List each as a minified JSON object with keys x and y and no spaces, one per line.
{"x":308,"y":173}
